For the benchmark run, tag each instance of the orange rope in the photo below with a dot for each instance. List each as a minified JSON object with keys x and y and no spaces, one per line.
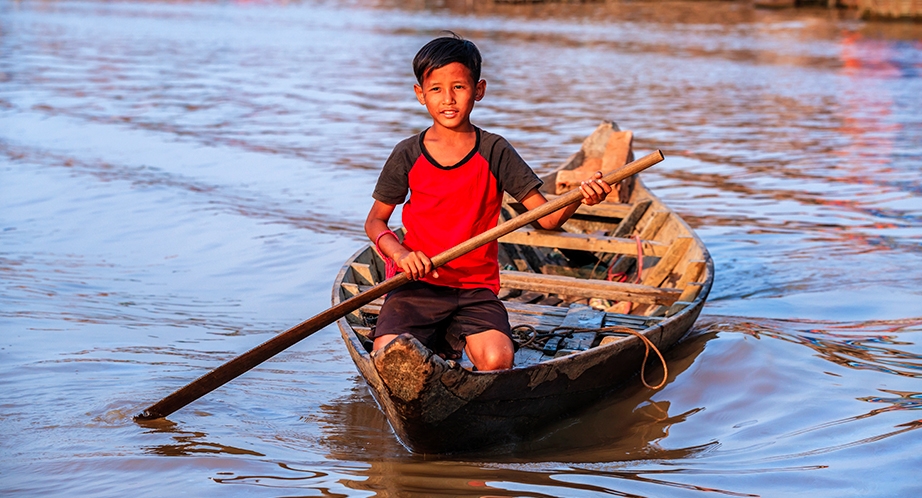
{"x":649,"y":345}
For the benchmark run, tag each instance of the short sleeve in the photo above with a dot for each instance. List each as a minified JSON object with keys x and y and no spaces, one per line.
{"x":393,"y":182}
{"x":511,"y":171}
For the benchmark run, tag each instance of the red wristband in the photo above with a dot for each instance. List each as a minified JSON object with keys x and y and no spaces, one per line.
{"x":378,"y":239}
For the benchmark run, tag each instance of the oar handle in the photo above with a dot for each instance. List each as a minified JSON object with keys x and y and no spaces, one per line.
{"x":236,"y":367}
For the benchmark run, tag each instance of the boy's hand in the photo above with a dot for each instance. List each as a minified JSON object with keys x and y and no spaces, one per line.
{"x":594,"y":190}
{"x":414,"y":263}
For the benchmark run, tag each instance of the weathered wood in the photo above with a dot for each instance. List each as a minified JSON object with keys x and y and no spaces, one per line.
{"x":664,"y":267}
{"x":691,"y":291}
{"x":581,"y":317}
{"x":692,"y":271}
{"x":630,"y":221}
{"x":618,"y":291}
{"x":528,"y":356}
{"x":583,"y":242}
{"x":656,"y":222}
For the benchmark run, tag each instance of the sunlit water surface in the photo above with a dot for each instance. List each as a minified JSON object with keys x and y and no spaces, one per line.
{"x":179,"y":181}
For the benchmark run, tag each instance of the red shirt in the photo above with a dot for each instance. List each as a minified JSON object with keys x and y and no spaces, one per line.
{"x":450,"y":204}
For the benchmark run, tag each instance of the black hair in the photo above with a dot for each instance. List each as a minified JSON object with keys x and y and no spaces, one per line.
{"x":443,"y":51}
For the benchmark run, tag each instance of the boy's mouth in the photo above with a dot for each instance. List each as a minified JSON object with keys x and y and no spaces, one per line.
{"x":450,"y":113}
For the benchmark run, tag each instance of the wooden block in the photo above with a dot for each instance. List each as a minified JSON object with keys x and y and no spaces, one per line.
{"x":363,"y":273}
{"x":350,"y":290}
{"x":617,"y":150}
{"x":610,"y":339}
{"x":569,"y":179}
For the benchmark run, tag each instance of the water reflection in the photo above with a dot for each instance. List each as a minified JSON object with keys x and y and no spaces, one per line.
{"x":861,"y":346}
{"x":187,"y":443}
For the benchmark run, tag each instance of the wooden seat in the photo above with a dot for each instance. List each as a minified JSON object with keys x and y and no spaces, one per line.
{"x":570,"y":286}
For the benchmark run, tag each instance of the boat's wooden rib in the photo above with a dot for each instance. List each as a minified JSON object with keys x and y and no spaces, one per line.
{"x":556,"y":284}
{"x":659,"y":273}
{"x":627,"y":224}
{"x":652,"y":227}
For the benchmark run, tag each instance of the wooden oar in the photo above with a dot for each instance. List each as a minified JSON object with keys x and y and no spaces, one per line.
{"x":232,"y":369}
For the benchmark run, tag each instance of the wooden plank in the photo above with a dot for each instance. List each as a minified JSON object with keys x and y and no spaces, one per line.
{"x":528,"y":356}
{"x":630,"y":221}
{"x":664,"y":267}
{"x":583,"y":242}
{"x":691,"y":291}
{"x":656,"y":222}
{"x":581,"y":317}
{"x":569,"y":286}
{"x":692,"y":271}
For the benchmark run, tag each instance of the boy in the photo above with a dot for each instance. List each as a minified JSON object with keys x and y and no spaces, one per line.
{"x":456,"y":174}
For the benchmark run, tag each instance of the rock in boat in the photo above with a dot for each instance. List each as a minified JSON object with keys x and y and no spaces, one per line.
{"x":571,"y":293}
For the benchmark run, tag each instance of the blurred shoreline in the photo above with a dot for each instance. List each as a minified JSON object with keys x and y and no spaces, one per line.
{"x":886,"y":10}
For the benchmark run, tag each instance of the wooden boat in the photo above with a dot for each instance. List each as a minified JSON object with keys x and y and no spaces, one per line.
{"x":558,"y":289}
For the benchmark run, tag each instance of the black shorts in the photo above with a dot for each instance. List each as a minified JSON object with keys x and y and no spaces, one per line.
{"x":441,"y":317}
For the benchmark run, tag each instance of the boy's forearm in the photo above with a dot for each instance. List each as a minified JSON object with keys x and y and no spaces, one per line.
{"x":377,"y":231}
{"x":556,"y":219}
{"x":594,"y":190}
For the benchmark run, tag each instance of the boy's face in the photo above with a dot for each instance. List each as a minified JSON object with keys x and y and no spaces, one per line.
{"x":449,"y":93}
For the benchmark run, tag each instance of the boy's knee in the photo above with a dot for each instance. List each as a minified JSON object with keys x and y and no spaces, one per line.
{"x":492,"y":350}
{"x":496,"y":360}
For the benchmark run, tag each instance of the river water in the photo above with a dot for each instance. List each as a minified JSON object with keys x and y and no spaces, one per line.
{"x":181,"y":180}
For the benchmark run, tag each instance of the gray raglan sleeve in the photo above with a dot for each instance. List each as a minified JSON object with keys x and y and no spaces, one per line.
{"x":512,"y":172}
{"x":393,"y":182}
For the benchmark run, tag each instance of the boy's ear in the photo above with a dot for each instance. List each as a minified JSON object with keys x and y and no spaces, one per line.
{"x":480,"y":90}
{"x":419,"y":94}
